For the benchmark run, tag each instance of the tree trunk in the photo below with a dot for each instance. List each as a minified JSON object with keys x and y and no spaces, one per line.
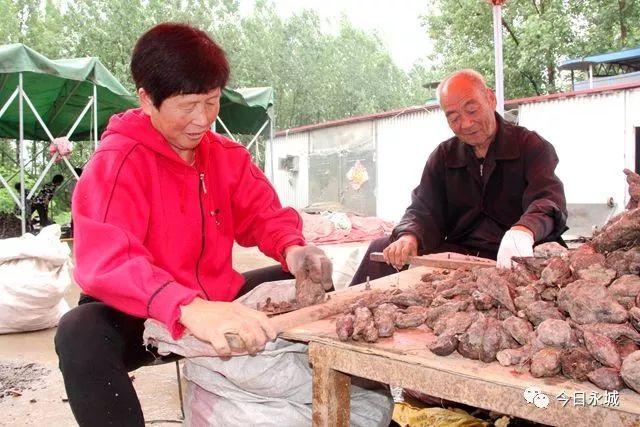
{"x":622,"y":6}
{"x":551,"y":73}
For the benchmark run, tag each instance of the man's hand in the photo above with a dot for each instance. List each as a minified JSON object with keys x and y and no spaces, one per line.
{"x":398,"y":253}
{"x":518,"y":241}
{"x":309,"y":262}
{"x":210,"y":320}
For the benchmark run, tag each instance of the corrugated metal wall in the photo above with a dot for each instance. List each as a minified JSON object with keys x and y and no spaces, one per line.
{"x":403,"y":146}
{"x":293,"y":188}
{"x":632,"y":126}
{"x":594,"y":136}
{"x":590,"y":137}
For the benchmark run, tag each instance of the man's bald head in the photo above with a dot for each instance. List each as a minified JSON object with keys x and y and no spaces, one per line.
{"x":469,"y":106}
{"x":458,"y":78}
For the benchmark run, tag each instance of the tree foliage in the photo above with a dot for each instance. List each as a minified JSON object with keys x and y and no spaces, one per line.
{"x":537,"y":35}
{"x":317,"y":74}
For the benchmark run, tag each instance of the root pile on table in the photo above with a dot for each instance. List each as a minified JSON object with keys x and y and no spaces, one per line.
{"x":561,"y":312}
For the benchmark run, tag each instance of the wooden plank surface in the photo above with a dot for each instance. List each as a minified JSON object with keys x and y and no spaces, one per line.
{"x":450,"y":260}
{"x":476,"y":384}
{"x":404,"y":360}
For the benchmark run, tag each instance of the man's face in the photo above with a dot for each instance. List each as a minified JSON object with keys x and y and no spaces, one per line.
{"x":183,"y":119}
{"x":469,"y":109}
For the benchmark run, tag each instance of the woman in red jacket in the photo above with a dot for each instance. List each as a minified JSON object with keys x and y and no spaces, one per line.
{"x":156,"y":214}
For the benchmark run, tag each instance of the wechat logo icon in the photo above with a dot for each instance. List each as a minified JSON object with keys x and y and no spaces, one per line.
{"x":535,"y":396}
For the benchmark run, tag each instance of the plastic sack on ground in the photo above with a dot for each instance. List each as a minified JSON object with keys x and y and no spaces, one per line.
{"x":273,"y":388}
{"x":346,"y":259}
{"x":35,"y":272}
{"x":278,"y":290}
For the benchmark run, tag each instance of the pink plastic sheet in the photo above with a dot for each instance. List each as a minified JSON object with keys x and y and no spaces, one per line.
{"x":318,"y":229}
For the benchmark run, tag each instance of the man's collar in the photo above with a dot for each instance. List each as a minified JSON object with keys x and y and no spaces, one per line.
{"x":504,"y":148}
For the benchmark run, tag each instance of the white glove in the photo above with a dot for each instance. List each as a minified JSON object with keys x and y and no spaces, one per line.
{"x":514,"y":243}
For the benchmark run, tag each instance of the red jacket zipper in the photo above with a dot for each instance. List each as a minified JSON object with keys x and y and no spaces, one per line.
{"x":201,"y":187}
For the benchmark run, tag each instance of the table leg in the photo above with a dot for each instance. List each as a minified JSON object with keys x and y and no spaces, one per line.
{"x":331,"y":392}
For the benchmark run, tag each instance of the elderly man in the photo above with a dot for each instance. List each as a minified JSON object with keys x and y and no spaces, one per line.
{"x":491,"y":190}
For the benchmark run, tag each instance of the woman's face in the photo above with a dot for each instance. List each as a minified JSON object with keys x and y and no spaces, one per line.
{"x":183,"y":119}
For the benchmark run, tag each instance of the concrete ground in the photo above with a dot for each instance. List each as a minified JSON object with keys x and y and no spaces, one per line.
{"x":45,"y":403}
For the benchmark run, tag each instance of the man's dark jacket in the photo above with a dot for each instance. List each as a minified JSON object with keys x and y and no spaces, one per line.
{"x":469,"y":203}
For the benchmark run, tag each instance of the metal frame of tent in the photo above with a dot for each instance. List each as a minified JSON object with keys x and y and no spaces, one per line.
{"x":254,"y":131}
{"x":23,"y":97}
{"x":58,"y":95}
{"x":269,"y":122}
{"x":92,"y":104}
{"x":603,"y":65}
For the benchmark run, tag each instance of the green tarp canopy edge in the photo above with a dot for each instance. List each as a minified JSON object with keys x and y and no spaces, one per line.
{"x":60,"y":89}
{"x":245,"y":110}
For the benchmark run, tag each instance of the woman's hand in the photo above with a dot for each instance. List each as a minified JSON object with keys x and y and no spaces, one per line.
{"x":210,"y":320}
{"x":309,"y":262}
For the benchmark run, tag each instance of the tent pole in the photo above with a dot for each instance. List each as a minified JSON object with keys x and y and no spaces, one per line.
{"x":9,"y":190}
{"x":27,"y":164}
{"x":51,"y":138}
{"x":227,"y":129}
{"x":9,"y":101}
{"x":573,"y":81}
{"x":95,"y":116}
{"x":2,"y":111}
{"x":21,"y":154}
{"x":42,"y":175}
{"x":255,"y":137}
{"x":80,"y":117}
{"x":37,"y":115}
{"x":497,"y":44}
{"x":49,"y":135}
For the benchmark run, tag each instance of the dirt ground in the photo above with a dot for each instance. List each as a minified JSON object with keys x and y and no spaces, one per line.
{"x":28,"y":362}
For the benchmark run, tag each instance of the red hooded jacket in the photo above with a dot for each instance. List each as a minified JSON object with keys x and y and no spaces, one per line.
{"x":151,"y":233}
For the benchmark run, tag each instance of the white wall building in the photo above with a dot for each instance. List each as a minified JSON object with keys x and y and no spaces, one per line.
{"x":596,"y":134}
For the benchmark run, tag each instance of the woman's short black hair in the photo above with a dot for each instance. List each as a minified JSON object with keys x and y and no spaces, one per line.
{"x":174,"y":59}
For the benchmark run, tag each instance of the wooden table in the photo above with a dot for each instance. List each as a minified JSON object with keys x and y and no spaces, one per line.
{"x":403,"y":360}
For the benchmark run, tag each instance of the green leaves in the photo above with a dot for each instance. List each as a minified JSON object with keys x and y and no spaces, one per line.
{"x":320,"y":70}
{"x":537,"y":35}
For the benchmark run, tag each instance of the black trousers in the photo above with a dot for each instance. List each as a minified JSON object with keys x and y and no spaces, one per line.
{"x":98,"y":345}
{"x":43,"y":213}
{"x":375,"y":270}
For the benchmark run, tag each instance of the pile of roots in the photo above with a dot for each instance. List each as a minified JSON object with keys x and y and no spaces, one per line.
{"x":561,"y":312}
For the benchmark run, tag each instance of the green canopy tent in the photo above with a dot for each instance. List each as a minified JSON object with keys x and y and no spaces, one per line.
{"x":59,"y":90}
{"x":246,"y":111}
{"x":42,"y":99}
